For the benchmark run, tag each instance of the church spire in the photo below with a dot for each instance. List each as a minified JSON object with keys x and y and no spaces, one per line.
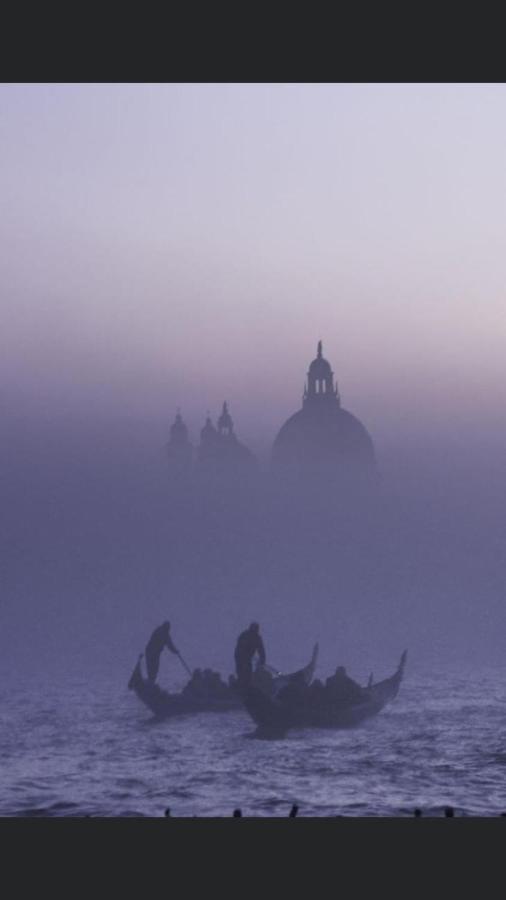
{"x":320,"y":380}
{"x":225,"y":424}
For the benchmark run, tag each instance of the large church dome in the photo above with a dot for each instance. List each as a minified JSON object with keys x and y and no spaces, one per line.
{"x":322,"y":435}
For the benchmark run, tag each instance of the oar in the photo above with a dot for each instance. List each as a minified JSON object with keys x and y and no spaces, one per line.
{"x":184,"y":664}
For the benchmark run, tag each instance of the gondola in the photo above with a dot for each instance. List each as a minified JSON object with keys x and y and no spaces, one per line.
{"x":267,"y":681}
{"x":310,"y":708}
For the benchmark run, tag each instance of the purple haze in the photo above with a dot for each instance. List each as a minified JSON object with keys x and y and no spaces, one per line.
{"x":178,"y":245}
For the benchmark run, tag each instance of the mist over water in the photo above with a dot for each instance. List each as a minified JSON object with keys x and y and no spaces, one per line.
{"x":99,"y":547}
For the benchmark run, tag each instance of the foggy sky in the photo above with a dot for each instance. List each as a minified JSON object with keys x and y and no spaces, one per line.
{"x":178,"y":245}
{"x":172,"y":245}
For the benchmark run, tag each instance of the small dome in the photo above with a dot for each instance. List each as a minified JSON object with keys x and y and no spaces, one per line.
{"x":179,"y":449}
{"x":220,"y":449}
{"x":178,"y":431}
{"x":209,"y":431}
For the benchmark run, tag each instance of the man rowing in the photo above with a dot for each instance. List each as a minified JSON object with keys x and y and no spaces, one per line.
{"x":248,"y":644}
{"x":159,"y":639}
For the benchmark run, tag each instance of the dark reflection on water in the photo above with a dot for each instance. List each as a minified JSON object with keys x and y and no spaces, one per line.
{"x":81,"y":748}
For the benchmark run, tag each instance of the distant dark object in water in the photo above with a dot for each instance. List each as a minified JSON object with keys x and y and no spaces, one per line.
{"x":293,"y":812}
{"x":449,"y":812}
{"x":417,"y":813}
{"x":167,"y":813}
{"x":207,"y":692}
{"x":237,"y":814}
{"x":314,"y":706}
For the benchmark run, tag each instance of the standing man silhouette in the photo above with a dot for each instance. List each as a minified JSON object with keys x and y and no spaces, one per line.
{"x":249,"y":642}
{"x":159,"y":639}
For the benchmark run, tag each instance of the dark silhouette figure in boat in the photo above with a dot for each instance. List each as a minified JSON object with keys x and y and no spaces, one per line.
{"x":159,"y":639}
{"x":249,"y":642}
{"x":341,"y":687}
{"x":206,"y":684}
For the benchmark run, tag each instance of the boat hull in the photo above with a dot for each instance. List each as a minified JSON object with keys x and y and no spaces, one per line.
{"x":275,"y":717}
{"x":164,"y":705}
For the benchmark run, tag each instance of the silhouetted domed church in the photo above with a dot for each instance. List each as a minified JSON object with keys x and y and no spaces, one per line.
{"x":321,"y":438}
{"x":219,"y":450}
{"x":322,"y":435}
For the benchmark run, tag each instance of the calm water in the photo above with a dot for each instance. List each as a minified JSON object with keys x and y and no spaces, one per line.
{"x":78,"y":748}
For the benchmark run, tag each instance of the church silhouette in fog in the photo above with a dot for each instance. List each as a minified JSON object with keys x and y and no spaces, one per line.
{"x":219,"y":450}
{"x":321,"y":438}
{"x":322,"y":435}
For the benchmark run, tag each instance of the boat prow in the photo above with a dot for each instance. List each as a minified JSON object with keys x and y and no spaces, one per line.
{"x":136,"y":678}
{"x":302,"y":676}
